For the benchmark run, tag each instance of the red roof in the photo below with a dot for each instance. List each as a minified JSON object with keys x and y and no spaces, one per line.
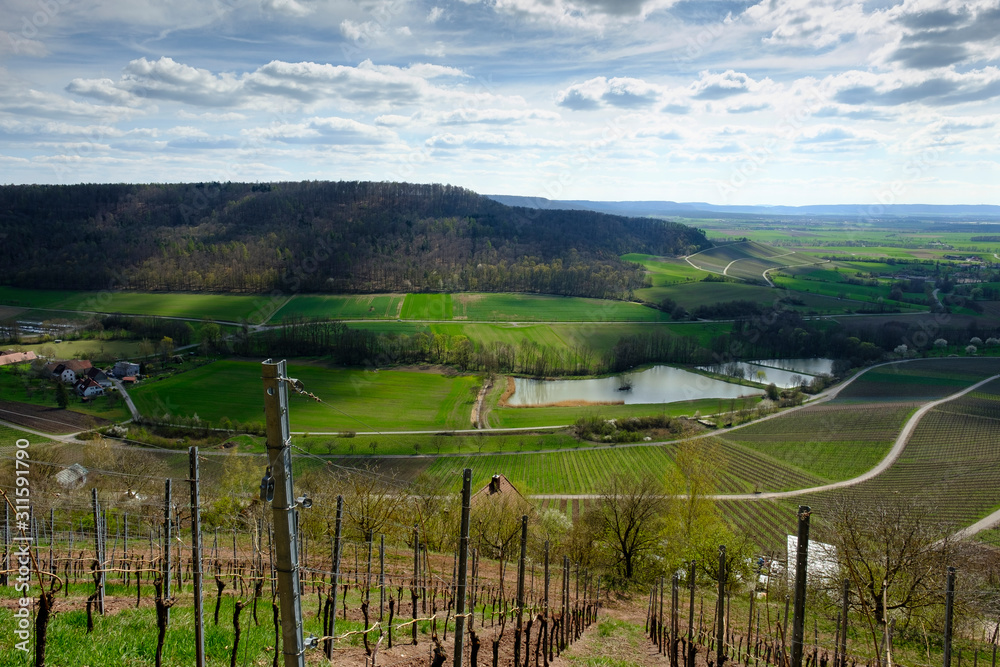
{"x":16,"y":358}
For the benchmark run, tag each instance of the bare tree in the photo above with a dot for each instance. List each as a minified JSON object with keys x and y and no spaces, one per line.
{"x":371,"y":500}
{"x":895,"y":552}
{"x":628,"y":518}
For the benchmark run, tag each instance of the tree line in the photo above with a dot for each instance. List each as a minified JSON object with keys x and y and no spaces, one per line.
{"x":317,"y":237}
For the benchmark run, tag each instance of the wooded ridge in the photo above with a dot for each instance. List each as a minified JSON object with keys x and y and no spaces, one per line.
{"x":317,"y":237}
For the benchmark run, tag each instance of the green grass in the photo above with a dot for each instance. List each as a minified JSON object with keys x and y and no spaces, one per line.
{"x":549,"y":308}
{"x":9,"y":436}
{"x":521,"y":417}
{"x":86,"y":349}
{"x":346,"y":307}
{"x":843,"y":290}
{"x":666,"y":270}
{"x":229,"y":307}
{"x":427,"y":307}
{"x":357,"y":400}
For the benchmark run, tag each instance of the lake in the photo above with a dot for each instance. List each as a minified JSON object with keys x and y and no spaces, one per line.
{"x":659,"y":384}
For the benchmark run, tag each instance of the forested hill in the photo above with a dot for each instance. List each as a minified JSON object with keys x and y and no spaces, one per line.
{"x":317,"y":237}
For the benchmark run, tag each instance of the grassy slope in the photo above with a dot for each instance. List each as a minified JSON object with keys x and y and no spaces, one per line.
{"x":384,"y":400}
{"x":230,"y":307}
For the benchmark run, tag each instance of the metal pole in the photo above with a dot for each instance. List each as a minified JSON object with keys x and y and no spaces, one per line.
{"x":801,"y":567}
{"x":331,"y":622}
{"x":949,"y":601}
{"x":720,"y":626}
{"x":199,"y":621}
{"x":279,"y":454}
{"x":518,"y":627}
{"x":463,"y":566}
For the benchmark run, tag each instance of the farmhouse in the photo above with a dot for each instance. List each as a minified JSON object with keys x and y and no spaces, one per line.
{"x":16,"y":358}
{"x":86,"y":387}
{"x":99,"y":376}
{"x":124,"y":369}
{"x":69,"y":371}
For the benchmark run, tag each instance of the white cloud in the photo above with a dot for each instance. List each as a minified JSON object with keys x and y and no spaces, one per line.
{"x":814,"y":24}
{"x":289,"y":7}
{"x":317,"y":130}
{"x":622,"y":92}
{"x":435,"y":14}
{"x":301,"y":84}
{"x":588,"y":14}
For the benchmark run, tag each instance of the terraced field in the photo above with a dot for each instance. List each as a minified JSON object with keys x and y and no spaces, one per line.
{"x":921,"y":380}
{"x":747,"y":260}
{"x":584,"y":471}
{"x":951,"y":462}
{"x":831,"y":441}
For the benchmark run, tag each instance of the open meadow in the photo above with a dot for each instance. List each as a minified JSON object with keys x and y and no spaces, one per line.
{"x":353,"y":399}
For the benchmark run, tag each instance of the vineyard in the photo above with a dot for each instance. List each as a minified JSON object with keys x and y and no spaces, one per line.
{"x":122,"y":593}
{"x":832,"y":441}
{"x":951,"y":462}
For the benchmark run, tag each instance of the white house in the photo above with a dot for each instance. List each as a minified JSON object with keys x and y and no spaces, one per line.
{"x":69,"y":371}
{"x":124,"y":369}
{"x":87,"y":388}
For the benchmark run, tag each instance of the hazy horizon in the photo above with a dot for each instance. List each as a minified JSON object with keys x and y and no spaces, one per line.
{"x":733,"y":103}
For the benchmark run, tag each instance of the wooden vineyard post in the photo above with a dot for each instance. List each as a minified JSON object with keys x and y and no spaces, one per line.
{"x":283,"y":505}
{"x":98,"y":553}
{"x":463,"y":566}
{"x":199,"y":620}
{"x":416,"y":580}
{"x":166,"y":548}
{"x":690,"y":647}
{"x":843,"y":634}
{"x":720,"y":624}
{"x":674,"y":626}
{"x":381,"y":576}
{"x":801,"y":570}
{"x":334,"y":579}
{"x":518,"y":627}
{"x":949,"y":602}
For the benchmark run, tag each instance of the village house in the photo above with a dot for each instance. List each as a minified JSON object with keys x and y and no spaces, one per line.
{"x":99,"y":376}
{"x":124,"y":369}
{"x":69,"y":371}
{"x":86,"y":388}
{"x":8,"y":358}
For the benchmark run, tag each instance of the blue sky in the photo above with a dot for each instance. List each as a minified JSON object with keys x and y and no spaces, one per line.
{"x":778,"y":102}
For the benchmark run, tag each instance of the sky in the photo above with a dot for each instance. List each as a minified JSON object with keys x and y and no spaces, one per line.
{"x":779,"y":102}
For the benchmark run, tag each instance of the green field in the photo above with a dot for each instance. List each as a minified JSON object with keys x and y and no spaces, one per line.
{"x":666,"y":270}
{"x":356,"y":400}
{"x":427,"y":307}
{"x":841,"y":290}
{"x":342,"y":307}
{"x":920,"y":380}
{"x":228,"y":307}
{"x":549,"y":308}
{"x":521,"y":417}
{"x":833,"y":441}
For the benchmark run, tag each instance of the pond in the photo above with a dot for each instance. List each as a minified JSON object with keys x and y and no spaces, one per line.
{"x":659,"y":384}
{"x":784,"y":373}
